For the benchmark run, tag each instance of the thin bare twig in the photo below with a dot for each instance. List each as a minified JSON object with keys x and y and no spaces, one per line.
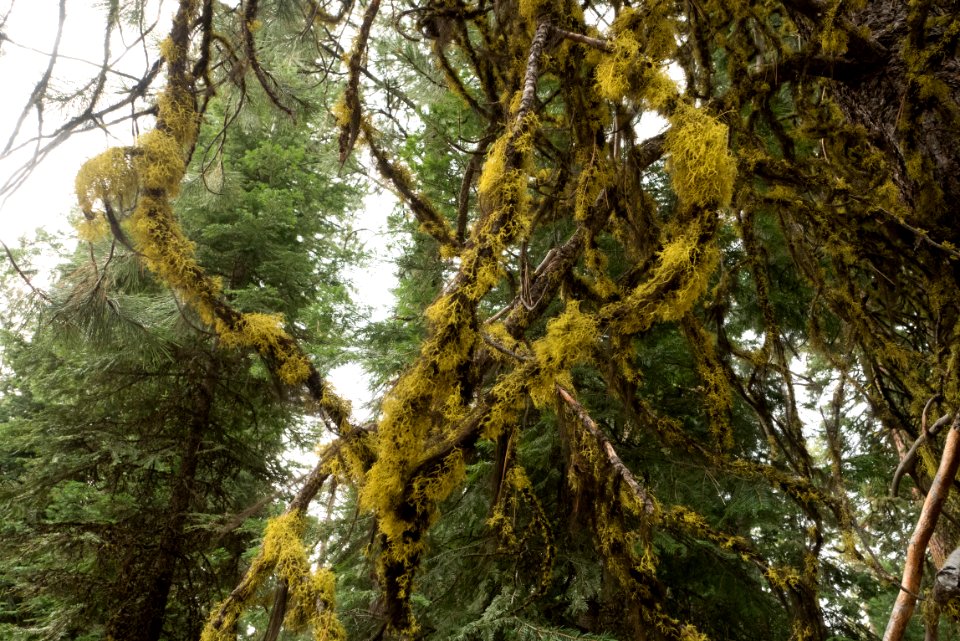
{"x":23,"y":276}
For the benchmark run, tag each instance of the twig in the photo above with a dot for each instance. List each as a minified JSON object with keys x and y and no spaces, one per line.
{"x":596,"y":43}
{"x":26,"y":279}
{"x":503,"y":349}
{"x":921,"y":235}
{"x":910,"y":458}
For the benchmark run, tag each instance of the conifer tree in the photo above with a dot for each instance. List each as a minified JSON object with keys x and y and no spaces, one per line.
{"x":613,"y":395}
{"x":139,"y":451}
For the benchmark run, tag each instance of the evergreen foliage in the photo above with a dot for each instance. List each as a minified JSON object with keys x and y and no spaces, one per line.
{"x":637,"y":385}
{"x":139,"y":452}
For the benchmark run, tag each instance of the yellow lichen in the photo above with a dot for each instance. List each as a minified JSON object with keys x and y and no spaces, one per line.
{"x":701,"y":167}
{"x":311,"y":598}
{"x":633,"y":67}
{"x":569,"y":339}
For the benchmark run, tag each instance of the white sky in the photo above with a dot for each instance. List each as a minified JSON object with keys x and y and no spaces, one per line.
{"x":46,"y":199}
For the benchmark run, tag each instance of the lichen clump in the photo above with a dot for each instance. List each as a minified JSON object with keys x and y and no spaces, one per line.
{"x":310,"y":593}
{"x":701,"y":167}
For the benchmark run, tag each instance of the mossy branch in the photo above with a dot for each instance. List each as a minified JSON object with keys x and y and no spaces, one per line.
{"x":349,"y":112}
{"x":431,"y":220}
{"x":267,"y":83}
{"x":640,"y":493}
{"x":283,"y":552}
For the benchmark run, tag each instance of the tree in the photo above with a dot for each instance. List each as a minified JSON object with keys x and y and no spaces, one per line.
{"x":600,"y":339}
{"x":137,"y":450}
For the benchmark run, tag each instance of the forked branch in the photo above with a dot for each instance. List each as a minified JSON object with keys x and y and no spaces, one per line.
{"x":916,"y":549}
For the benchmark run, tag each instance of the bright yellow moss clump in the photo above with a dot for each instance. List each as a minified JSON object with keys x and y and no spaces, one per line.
{"x":700,"y":165}
{"x":681,"y":276}
{"x":92,"y":230}
{"x":568,"y":340}
{"x":106,"y":178}
{"x":632,"y":69}
{"x":311,"y":594}
{"x":160,"y":162}
{"x":264,"y":332}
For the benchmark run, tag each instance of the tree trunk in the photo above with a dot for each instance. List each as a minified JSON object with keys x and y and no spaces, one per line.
{"x":141,"y":617}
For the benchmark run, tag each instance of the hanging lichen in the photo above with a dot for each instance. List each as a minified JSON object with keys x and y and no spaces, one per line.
{"x":310,"y":592}
{"x":702,"y":169}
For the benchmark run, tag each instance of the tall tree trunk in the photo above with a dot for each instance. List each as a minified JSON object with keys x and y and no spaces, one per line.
{"x":141,"y":617}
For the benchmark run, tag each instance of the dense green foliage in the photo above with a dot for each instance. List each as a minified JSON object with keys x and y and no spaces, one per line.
{"x":636,"y":385}
{"x":137,"y":454}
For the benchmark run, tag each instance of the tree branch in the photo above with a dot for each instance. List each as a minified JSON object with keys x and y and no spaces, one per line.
{"x":640,"y":492}
{"x":916,"y":549}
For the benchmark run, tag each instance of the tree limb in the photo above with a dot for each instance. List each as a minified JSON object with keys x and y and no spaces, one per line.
{"x":910,"y":458}
{"x":916,"y":549}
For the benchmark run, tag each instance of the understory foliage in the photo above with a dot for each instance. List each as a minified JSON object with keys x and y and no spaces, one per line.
{"x":641,"y":381}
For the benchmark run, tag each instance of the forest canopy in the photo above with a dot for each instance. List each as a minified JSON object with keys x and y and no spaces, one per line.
{"x":693,"y":381}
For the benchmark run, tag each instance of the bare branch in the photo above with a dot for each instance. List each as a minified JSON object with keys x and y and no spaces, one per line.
{"x":643,"y":497}
{"x":916,"y":549}
{"x":910,"y":458}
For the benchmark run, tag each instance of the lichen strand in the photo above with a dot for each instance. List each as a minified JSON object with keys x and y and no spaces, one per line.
{"x":716,"y":390}
{"x":517,"y":490}
{"x":311,"y":600}
{"x":626,"y":545}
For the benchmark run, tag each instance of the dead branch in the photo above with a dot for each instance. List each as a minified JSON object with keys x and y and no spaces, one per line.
{"x":916,"y":549}
{"x":910,"y":458}
{"x":643,"y":497}
{"x":431,"y":220}
{"x":596,"y":43}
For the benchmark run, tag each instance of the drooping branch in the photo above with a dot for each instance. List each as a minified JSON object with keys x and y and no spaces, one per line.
{"x":267,"y":83}
{"x":431,"y":221}
{"x":150,"y":173}
{"x":640,"y":493}
{"x":350,"y":115}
